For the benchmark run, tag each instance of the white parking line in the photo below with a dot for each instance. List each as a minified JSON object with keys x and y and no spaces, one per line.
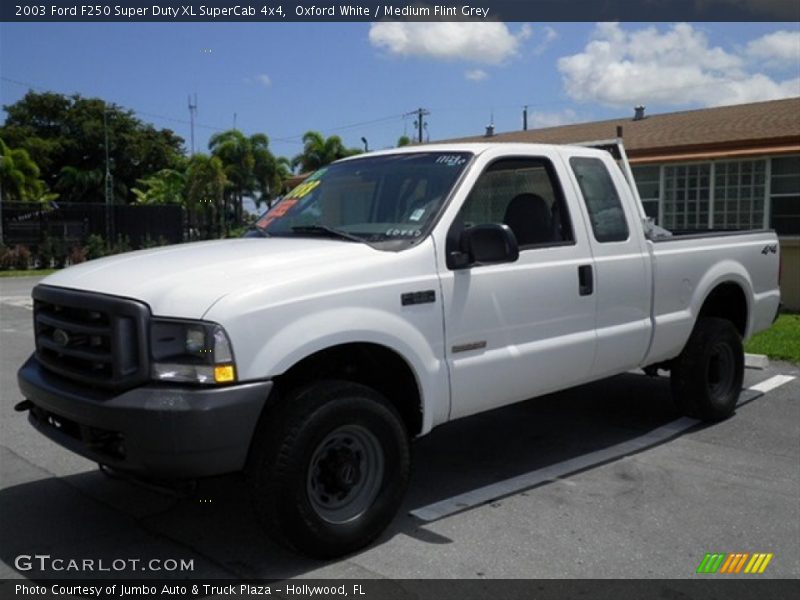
{"x":21,"y":301}
{"x":770,"y":384}
{"x":492,"y":492}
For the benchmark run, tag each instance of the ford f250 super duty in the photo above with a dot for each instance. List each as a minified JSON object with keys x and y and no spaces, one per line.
{"x":385,"y":295}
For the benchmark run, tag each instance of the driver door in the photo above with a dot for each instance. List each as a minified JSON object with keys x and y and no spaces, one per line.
{"x":518,"y":330}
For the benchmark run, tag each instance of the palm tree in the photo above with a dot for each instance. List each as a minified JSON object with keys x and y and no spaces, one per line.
{"x":205,"y":194}
{"x":265,"y":169}
{"x":319,"y":151}
{"x":235,"y":151}
{"x":167,"y":186}
{"x":81,"y":185}
{"x":19,"y":177}
{"x":269,"y":171}
{"x":250,"y":167}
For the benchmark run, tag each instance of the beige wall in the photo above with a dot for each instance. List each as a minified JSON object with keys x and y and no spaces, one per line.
{"x":790,"y":280}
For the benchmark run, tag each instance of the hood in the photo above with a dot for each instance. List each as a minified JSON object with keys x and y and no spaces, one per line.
{"x":185,"y":280}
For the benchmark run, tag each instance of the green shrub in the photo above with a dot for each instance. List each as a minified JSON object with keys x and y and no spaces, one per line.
{"x":52,"y":253}
{"x":149,"y":242}
{"x":123,"y":245}
{"x":95,"y":247}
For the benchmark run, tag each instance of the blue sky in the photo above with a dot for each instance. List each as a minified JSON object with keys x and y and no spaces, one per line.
{"x":284,"y":79}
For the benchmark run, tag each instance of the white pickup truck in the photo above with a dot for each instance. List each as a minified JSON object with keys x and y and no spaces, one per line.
{"x":387,"y":294}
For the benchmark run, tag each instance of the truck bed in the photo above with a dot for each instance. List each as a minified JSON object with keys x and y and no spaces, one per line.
{"x":688,"y":264}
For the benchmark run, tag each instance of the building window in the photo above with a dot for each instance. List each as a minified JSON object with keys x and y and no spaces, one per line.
{"x":648,"y":182}
{"x":785,"y":195}
{"x":686,"y":196}
{"x":739,"y":194}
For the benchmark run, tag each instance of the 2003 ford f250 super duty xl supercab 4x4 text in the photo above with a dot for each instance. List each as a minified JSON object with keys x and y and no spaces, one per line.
{"x":387,"y":294}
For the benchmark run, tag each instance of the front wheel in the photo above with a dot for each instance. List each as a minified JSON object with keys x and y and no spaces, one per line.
{"x":707,"y":376}
{"x":329,"y":468}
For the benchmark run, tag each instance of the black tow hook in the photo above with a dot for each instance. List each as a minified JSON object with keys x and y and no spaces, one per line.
{"x":23,"y":406}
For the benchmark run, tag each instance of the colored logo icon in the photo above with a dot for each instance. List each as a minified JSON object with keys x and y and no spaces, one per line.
{"x":736,"y":563}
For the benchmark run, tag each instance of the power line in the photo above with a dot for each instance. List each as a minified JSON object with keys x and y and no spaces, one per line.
{"x":193,"y":109}
{"x":293,"y":138}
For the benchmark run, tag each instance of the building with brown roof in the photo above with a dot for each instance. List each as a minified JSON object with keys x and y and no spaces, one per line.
{"x":731,"y":167}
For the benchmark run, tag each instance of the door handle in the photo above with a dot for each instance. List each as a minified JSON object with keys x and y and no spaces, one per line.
{"x":585,"y":280}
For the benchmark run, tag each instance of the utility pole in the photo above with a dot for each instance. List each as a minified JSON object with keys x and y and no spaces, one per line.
{"x":109,"y":184}
{"x":234,"y":120}
{"x":419,"y":123}
{"x":192,"y":114}
{"x":525,"y":118}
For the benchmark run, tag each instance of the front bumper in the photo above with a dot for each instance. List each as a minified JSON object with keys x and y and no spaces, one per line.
{"x":155,"y":431}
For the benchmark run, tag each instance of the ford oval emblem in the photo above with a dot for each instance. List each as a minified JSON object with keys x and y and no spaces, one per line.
{"x":60,"y":337}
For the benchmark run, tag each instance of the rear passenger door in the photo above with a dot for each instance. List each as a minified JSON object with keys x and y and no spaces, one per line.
{"x":517,"y":330}
{"x":622,"y":270}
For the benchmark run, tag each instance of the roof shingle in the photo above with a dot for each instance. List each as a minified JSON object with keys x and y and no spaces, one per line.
{"x":742,"y":126}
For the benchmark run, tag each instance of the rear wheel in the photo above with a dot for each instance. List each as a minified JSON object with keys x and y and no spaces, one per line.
{"x":707,"y":376}
{"x":329,"y":468}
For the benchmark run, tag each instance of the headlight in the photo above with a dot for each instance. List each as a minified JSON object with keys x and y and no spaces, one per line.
{"x":191,"y":351}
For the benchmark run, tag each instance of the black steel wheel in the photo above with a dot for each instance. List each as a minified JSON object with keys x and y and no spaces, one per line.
{"x":707,"y":376}
{"x":329,"y":468}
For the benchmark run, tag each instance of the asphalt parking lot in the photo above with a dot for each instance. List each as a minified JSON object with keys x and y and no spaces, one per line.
{"x":601,"y":481}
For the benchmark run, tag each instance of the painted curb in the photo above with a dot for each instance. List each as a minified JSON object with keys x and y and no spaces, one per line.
{"x":756,"y":361}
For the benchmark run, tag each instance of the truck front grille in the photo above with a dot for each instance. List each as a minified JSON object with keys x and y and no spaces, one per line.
{"x":91,"y":338}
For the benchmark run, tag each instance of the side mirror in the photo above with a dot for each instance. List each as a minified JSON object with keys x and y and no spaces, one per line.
{"x":489,"y":244}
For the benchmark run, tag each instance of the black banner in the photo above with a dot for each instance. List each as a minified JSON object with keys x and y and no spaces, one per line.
{"x":405,"y":589}
{"x":393,"y":10}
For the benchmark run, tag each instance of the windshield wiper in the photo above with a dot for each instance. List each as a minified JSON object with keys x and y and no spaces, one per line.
{"x":328,"y":231}
{"x":255,"y":231}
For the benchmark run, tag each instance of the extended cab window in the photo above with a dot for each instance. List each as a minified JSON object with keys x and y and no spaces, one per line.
{"x":522,"y":193}
{"x":601,"y":198}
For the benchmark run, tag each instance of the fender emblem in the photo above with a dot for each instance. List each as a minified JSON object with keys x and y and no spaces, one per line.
{"x":770,"y":249}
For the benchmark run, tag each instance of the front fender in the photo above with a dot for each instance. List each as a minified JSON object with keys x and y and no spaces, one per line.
{"x":319,"y":330}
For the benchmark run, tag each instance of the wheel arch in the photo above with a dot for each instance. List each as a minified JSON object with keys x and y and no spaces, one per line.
{"x":727,"y":300}
{"x":726,"y":292}
{"x":371,"y":364}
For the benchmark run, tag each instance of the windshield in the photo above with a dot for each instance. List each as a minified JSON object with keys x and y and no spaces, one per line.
{"x":371,"y":199}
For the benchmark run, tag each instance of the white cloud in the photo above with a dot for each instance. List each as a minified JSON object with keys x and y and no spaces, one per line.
{"x":778,"y":48}
{"x":677,"y":66}
{"x":476,"y":75}
{"x":538,"y":120}
{"x":549,"y":36}
{"x":261,"y":79}
{"x":485,"y":42}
